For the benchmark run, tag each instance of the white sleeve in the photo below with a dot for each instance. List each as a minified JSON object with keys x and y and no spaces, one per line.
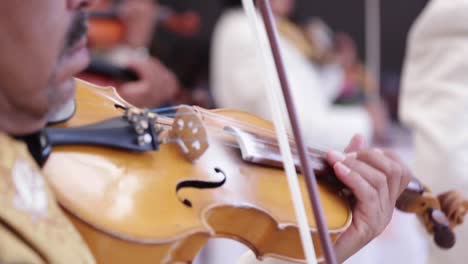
{"x":236,"y":74}
{"x":332,"y":76}
{"x":325,"y":124}
{"x":434,"y":98}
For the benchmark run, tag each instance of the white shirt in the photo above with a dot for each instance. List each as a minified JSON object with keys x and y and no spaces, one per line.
{"x":238,"y":82}
{"x":434,"y":98}
{"x":434,"y":103}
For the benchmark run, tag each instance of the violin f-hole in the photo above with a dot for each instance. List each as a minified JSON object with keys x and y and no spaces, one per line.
{"x":200,"y":185}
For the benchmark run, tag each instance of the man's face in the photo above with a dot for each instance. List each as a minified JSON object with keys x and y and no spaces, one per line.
{"x":42,"y":46}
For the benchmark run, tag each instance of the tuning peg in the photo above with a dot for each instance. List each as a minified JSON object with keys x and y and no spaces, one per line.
{"x":443,"y":234}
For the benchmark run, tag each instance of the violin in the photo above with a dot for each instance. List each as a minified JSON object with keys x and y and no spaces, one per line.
{"x":153,"y":186}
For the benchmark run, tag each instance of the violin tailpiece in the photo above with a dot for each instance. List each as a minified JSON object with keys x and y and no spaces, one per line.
{"x":136,"y":130}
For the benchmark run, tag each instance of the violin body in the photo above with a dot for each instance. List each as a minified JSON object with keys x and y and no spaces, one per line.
{"x":132,"y":207}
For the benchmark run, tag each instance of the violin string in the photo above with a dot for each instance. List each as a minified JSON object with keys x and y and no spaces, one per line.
{"x":171,"y":111}
{"x":240,"y":124}
{"x":164,"y":109}
{"x":231,"y":145}
{"x":268,"y":142}
{"x":216,"y":129}
{"x":217,"y":117}
{"x":263,"y":143}
{"x":317,"y":163}
{"x":271,"y":133}
{"x":271,"y":142}
{"x":213,"y":115}
{"x":176,"y":140}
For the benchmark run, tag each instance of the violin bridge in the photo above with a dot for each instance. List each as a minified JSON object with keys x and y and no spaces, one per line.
{"x":189,"y":133}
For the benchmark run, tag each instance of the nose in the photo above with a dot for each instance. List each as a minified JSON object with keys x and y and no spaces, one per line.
{"x":80,"y":4}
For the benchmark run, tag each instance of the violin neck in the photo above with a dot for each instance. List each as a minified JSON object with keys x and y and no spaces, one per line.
{"x":255,"y":149}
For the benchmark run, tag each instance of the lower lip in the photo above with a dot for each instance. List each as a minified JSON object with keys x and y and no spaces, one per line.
{"x":78,"y":58}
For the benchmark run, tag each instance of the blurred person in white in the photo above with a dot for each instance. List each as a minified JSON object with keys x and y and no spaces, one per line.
{"x":237,"y":80}
{"x":434,"y":104}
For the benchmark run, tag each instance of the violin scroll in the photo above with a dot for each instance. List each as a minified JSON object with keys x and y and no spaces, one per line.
{"x":438,"y":214}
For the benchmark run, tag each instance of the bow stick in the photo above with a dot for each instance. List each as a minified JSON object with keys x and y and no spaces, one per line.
{"x":279,"y":123}
{"x":272,"y":49}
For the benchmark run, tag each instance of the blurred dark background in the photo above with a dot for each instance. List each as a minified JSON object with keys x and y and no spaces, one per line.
{"x":348,"y":16}
{"x":188,"y":57}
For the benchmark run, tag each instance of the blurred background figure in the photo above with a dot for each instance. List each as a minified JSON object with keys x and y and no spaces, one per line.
{"x":184,"y":46}
{"x":316,"y":74}
{"x":331,"y":88}
{"x":434,"y":104}
{"x":120,"y":35}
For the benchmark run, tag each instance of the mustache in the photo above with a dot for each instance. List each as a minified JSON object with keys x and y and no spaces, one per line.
{"x":78,"y":29}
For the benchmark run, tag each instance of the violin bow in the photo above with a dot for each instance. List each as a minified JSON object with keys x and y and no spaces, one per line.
{"x":269,"y":48}
{"x":279,"y":123}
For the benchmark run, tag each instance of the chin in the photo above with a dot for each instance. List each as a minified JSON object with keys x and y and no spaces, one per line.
{"x":63,"y":93}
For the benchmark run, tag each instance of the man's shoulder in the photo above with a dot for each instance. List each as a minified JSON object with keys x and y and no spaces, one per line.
{"x":28,"y":206}
{"x":20,"y":176}
{"x":10,"y":150}
{"x":15,"y":161}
